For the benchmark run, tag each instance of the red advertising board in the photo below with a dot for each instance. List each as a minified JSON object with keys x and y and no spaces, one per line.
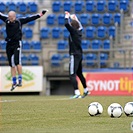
{"x":109,"y":83}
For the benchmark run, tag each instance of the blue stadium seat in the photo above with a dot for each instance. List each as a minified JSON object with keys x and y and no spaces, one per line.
{"x":68,"y":6}
{"x":3,"y":44}
{"x":101,"y":6}
{"x":103,"y":59}
{"x":111,"y":31}
{"x":2,"y":7}
{"x":117,"y":18}
{"x":32,"y":6}
{"x":95,"y":19}
{"x":65,"y":33}
{"x":26,"y":45}
{"x":22,"y":7}
{"x":34,"y":59}
{"x":11,"y":6}
{"x":65,"y":56}
{"x":90,"y":59}
{"x":124,"y":5}
{"x":56,"y":6}
{"x":85,"y":44}
{"x":1,"y":22}
{"x":62,"y":45}
{"x":56,"y":32}
{"x":3,"y":60}
{"x":61,"y":19}
{"x":36,"y":45}
{"x":96,"y":44}
{"x":107,"y":19}
{"x":90,"y":6}
{"x":106,"y":44}
{"x":51,"y":18}
{"x":84,"y":19}
{"x":28,"y":33}
{"x":101,"y":32}
{"x":44,"y":33}
{"x":25,"y":59}
{"x":3,"y":32}
{"x":79,"y":6}
{"x":112,"y":5}
{"x":90,"y":32}
{"x":56,"y":60}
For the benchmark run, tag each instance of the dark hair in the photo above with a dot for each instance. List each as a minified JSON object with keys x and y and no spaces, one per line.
{"x":75,"y":24}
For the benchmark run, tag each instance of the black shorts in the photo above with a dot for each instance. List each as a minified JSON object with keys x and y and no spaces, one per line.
{"x":14,"y":53}
{"x":75,"y":65}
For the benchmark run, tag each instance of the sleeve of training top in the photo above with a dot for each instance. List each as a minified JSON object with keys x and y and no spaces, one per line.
{"x":3,"y":17}
{"x":68,"y":26}
{"x":33,"y":17}
{"x":25,"y":20}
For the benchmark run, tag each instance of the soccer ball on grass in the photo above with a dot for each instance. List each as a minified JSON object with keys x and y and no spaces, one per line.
{"x":115,"y":110}
{"x":95,"y":108}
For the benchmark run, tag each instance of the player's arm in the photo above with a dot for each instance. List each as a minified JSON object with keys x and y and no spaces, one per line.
{"x":25,"y":20}
{"x":73,"y":16}
{"x":3,"y":17}
{"x":67,"y":23}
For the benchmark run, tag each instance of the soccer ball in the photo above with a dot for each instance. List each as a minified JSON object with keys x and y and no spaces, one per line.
{"x":115,"y":110}
{"x":128,"y":109}
{"x":95,"y":108}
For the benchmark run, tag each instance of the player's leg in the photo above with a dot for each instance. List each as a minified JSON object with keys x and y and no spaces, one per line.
{"x":17,"y":59}
{"x":82,"y":79}
{"x":73,"y":66}
{"x":10,"y":56}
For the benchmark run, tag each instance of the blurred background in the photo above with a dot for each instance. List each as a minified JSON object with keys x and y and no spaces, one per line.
{"x":107,"y":42}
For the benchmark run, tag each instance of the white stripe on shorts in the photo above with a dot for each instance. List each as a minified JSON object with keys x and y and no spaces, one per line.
{"x":12,"y":61}
{"x":71,"y":64}
{"x":20,"y":52}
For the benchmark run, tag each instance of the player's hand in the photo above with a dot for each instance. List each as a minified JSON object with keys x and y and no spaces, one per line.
{"x":67,"y":14}
{"x":43,"y":12}
{"x":73,"y":17}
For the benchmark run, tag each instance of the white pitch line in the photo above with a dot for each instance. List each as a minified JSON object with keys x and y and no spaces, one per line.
{"x":7,"y":101}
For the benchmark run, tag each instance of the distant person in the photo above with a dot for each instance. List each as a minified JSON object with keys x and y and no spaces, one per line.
{"x":75,"y":51}
{"x":14,"y":42}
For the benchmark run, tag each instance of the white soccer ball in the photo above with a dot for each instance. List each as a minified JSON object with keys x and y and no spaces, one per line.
{"x":128,"y":109}
{"x":115,"y":110}
{"x":95,"y":108}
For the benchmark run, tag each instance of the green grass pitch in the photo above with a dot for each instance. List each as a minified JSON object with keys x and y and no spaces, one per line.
{"x":59,"y":114}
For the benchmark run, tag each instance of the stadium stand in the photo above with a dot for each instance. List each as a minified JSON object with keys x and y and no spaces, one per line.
{"x":36,"y":45}
{"x":106,"y":44}
{"x":26,"y":45}
{"x":85,"y":44}
{"x":2,"y":7}
{"x":25,"y":60}
{"x":51,"y":19}
{"x":62,"y":45}
{"x":56,"y":60}
{"x":45,"y":33}
{"x":11,"y":6}
{"x":32,"y":7}
{"x":3,"y":44}
{"x":67,"y":6}
{"x":34,"y":59}
{"x":98,"y":18}
{"x":84,"y":19}
{"x":90,"y":6}
{"x":90,"y":59}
